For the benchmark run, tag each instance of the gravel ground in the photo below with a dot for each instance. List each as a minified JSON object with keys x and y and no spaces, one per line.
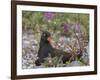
{"x":30,"y":46}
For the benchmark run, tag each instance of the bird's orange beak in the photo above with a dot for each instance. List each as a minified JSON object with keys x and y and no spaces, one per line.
{"x":50,"y":39}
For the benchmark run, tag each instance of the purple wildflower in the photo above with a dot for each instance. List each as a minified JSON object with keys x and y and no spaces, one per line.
{"x":65,"y":27}
{"x":49,"y":15}
{"x":77,"y":27}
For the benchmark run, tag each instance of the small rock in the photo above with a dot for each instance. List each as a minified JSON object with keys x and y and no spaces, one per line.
{"x":85,"y":56}
{"x":74,"y":63}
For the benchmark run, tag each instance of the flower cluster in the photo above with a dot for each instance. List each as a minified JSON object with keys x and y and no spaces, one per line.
{"x":77,"y":27}
{"x":65,"y":27}
{"x":49,"y":15}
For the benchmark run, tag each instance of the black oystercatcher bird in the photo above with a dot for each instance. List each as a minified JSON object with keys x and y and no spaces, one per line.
{"x":46,"y":48}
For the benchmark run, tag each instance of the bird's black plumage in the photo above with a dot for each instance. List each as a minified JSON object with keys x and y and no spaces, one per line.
{"x":46,"y":49}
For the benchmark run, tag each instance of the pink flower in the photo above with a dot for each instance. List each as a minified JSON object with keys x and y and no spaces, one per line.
{"x":77,"y":27}
{"x":49,"y":15}
{"x":65,"y":27}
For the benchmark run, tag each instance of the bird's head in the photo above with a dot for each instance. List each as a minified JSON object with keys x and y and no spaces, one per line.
{"x":46,"y":37}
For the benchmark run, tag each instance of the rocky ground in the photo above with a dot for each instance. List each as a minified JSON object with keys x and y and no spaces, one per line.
{"x":30,"y":46}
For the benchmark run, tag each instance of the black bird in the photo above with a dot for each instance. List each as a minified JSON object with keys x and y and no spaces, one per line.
{"x":46,"y":49}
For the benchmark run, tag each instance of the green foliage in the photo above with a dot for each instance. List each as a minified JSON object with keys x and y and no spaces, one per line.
{"x":37,"y":21}
{"x":53,"y":62}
